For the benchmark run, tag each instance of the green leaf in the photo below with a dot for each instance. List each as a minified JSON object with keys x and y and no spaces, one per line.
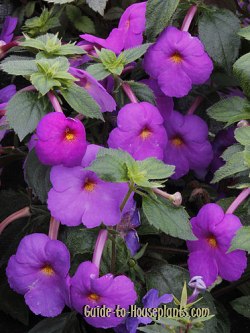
{"x":18,"y":65}
{"x":233,"y":166}
{"x":158,"y":15}
{"x":135,"y":53}
{"x":118,"y":166}
{"x":110,"y":62}
{"x":242,"y":135}
{"x":167,"y":218}
{"x":80,"y":22}
{"x":230,"y":110}
{"x":218,"y":32}
{"x":242,"y":240}
{"x":227,"y":154}
{"x":25,"y":110}
{"x":241,"y":70}
{"x":64,"y":323}
{"x":155,"y":328}
{"x":245,"y":32}
{"x":142,"y":92}
{"x":39,"y":25}
{"x":82,"y":102}
{"x":12,"y":303}
{"x":146,"y":173}
{"x":98,"y":71}
{"x":110,"y":168}
{"x":37,"y":176}
{"x":97,"y":5}
{"x":79,"y":240}
{"x":43,"y":83}
{"x":242,"y":306}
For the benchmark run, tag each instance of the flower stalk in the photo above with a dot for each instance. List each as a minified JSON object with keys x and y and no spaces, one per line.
{"x":128,"y":91}
{"x":175,"y":198}
{"x":195,"y":105}
{"x":238,"y":201}
{"x":53,"y":228}
{"x":54,"y":102}
{"x":189,"y":18}
{"x":99,"y":247}
{"x":24,"y":212}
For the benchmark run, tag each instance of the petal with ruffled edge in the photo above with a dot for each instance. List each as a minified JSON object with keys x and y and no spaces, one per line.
{"x":231,"y":265}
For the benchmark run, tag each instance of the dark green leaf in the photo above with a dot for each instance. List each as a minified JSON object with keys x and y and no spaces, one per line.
{"x":242,"y":305}
{"x":81,"y":23}
{"x":37,"y":176}
{"x":25,"y":110}
{"x":164,"y":216}
{"x":218,"y":32}
{"x":142,"y":92}
{"x":158,"y":15}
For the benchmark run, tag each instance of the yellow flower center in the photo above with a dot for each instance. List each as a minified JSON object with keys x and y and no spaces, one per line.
{"x":94,"y":297}
{"x":145,"y":133}
{"x":89,"y":185}
{"x":177,"y":141}
{"x":48,"y":270}
{"x":176,"y":57}
{"x":69,"y":134}
{"x":212,"y":242}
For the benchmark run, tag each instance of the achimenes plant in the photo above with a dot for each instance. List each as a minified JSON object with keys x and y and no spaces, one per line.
{"x":104,"y":141}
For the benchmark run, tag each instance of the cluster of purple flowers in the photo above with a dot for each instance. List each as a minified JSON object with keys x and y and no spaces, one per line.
{"x":40,"y":271}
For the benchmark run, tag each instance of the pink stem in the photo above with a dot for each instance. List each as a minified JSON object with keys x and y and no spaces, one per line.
{"x":128,"y":91}
{"x":195,"y":105}
{"x":54,"y":102}
{"x":99,"y":246}
{"x":28,"y":88}
{"x":53,"y":228}
{"x":240,"y":198}
{"x":24,"y":212}
{"x":175,"y":198}
{"x":189,"y":18}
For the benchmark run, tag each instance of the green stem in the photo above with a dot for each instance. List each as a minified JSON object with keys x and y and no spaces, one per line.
{"x":127,"y":196}
{"x":113,"y":250}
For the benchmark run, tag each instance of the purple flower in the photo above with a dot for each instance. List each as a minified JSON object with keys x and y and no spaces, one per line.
{"x":129,"y":32}
{"x":6,"y":94}
{"x":208,"y":255}
{"x":60,"y":140}
{"x":150,"y":300}
{"x":113,"y":42}
{"x":139,"y":131}
{"x":87,"y":288}
{"x":8,"y":28}
{"x":38,"y":271}
{"x":95,"y":89}
{"x":223,"y":140}
{"x":164,"y":103}
{"x":79,"y":196}
{"x":177,"y":61}
{"x":6,"y":35}
{"x":188,"y":146}
{"x":130,"y":220}
{"x":132,"y":24}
